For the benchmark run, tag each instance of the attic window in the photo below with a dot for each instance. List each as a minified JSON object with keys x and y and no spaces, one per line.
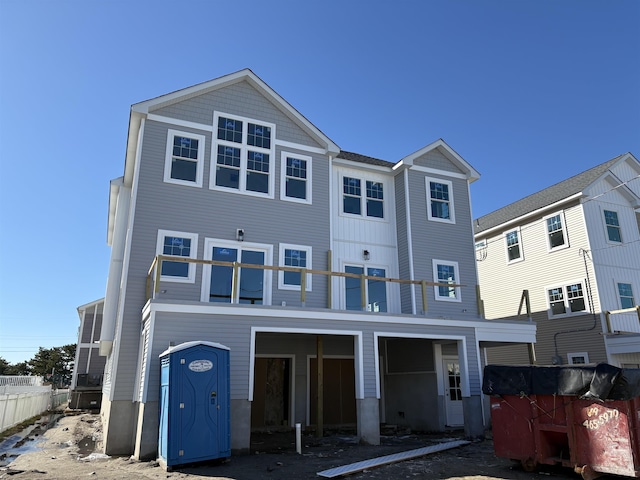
{"x":184,"y":158}
{"x":440,"y":200}
{"x":244,"y":156}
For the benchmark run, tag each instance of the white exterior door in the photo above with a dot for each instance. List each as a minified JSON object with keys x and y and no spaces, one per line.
{"x":452,"y":391}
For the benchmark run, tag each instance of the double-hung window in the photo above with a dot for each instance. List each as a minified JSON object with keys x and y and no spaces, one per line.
{"x":440,"y":200}
{"x":355,"y":201}
{"x":295,"y":177}
{"x":626,"y":295}
{"x":556,"y":231}
{"x":177,"y":244}
{"x":375,"y":295}
{"x":184,"y":158}
{"x":613,"y":226}
{"x":447,"y":273}
{"x":294,"y":256}
{"x":252,"y":284}
{"x":243,"y":155}
{"x":514,"y":249}
{"x":566,"y":300}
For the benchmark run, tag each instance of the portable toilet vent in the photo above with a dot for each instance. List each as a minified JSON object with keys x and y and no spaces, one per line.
{"x":194,"y":404}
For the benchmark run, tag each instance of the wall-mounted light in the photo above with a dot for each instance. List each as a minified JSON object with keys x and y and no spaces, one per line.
{"x":240,"y":234}
{"x":366,"y":255}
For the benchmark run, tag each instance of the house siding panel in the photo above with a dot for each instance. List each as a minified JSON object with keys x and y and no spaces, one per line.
{"x":213,"y":214}
{"x":236,"y":335}
{"x":442,"y":241}
{"x":404,"y":260}
{"x":436,"y":160}
{"x":237,"y":99}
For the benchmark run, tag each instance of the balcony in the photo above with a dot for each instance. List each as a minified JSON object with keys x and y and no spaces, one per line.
{"x":364,"y":286}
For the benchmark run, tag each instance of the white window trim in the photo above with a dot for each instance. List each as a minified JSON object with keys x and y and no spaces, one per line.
{"x":244,"y":147}
{"x":169,"y":155}
{"x":506,"y":246}
{"x":363,"y":198}
{"x":565,"y":295}
{"x":606,"y":229}
{"x":564,"y":232}
{"x":571,"y":356}
{"x":209,"y":243}
{"x":617,"y":291}
{"x":283,"y":177}
{"x":452,"y":214}
{"x":288,"y":246}
{"x":191,"y":278}
{"x":436,"y":292}
{"x":365,"y":267}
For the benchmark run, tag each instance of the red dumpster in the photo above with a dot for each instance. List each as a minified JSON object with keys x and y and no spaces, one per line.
{"x":583,"y":417}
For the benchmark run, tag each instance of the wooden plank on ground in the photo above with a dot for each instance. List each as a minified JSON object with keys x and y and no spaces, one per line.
{"x":387,"y":459}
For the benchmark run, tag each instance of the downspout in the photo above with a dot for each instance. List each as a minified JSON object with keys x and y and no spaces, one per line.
{"x":557,"y":359}
{"x":112,"y":295}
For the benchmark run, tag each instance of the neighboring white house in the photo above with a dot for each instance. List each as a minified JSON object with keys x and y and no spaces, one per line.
{"x":575,"y":247}
{"x":228,"y":171}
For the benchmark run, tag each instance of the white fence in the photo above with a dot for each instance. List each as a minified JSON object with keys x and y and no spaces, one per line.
{"x":21,"y":381}
{"x":20,"y":403}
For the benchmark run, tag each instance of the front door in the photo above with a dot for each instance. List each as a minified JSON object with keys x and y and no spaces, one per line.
{"x":452,"y":391}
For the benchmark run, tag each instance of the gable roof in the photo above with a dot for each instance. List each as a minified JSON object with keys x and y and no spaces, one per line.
{"x":548,"y":196}
{"x":407,"y":161}
{"x":142,"y":109}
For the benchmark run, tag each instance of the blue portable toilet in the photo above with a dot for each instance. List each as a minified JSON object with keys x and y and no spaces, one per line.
{"x":194,"y":404}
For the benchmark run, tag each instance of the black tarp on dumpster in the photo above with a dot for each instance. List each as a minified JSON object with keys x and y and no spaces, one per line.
{"x":602,"y":381}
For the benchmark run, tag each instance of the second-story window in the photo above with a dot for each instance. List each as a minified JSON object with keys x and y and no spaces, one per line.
{"x":613,"y":226}
{"x":556,"y":232}
{"x":184,"y":158}
{"x":440,"y":200}
{"x":294,"y":256}
{"x":514,"y":252}
{"x":375,"y":290}
{"x":625,"y":292}
{"x":243,"y":155}
{"x":447,"y":273}
{"x":352,"y":197}
{"x":253,"y":285}
{"x":177,"y":244}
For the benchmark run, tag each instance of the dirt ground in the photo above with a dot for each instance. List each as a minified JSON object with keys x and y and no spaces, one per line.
{"x":70,"y":450}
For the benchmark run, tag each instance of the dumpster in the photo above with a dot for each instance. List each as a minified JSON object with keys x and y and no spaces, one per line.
{"x":585,"y":417}
{"x":194,"y":404}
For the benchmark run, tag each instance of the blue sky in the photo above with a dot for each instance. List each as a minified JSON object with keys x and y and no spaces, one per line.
{"x":529,"y":92}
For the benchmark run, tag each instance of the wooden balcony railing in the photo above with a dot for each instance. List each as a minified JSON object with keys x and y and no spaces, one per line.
{"x":154,"y":278}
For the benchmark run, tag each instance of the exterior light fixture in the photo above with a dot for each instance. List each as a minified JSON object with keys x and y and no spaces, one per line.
{"x":366,"y":255}
{"x":240,"y":234}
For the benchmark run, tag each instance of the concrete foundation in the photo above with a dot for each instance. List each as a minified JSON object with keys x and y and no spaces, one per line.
{"x":368,"y":412}
{"x":118,"y":422}
{"x":146,"y":444}
{"x":240,"y":427}
{"x":473,"y":420}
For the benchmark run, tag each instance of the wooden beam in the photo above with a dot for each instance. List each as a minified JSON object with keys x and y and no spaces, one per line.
{"x":320,"y":380}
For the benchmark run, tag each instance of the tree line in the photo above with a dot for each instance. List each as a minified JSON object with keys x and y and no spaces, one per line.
{"x":54,"y":364}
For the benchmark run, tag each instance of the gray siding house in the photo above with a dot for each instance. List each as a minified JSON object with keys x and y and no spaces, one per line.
{"x":575,"y":248}
{"x":237,"y":221}
{"x":88,"y":368}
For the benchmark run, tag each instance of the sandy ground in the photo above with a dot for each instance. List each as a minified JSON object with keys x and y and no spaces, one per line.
{"x":70,"y":450}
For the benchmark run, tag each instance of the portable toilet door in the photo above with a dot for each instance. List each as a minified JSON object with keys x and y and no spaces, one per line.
{"x":194,"y":404}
